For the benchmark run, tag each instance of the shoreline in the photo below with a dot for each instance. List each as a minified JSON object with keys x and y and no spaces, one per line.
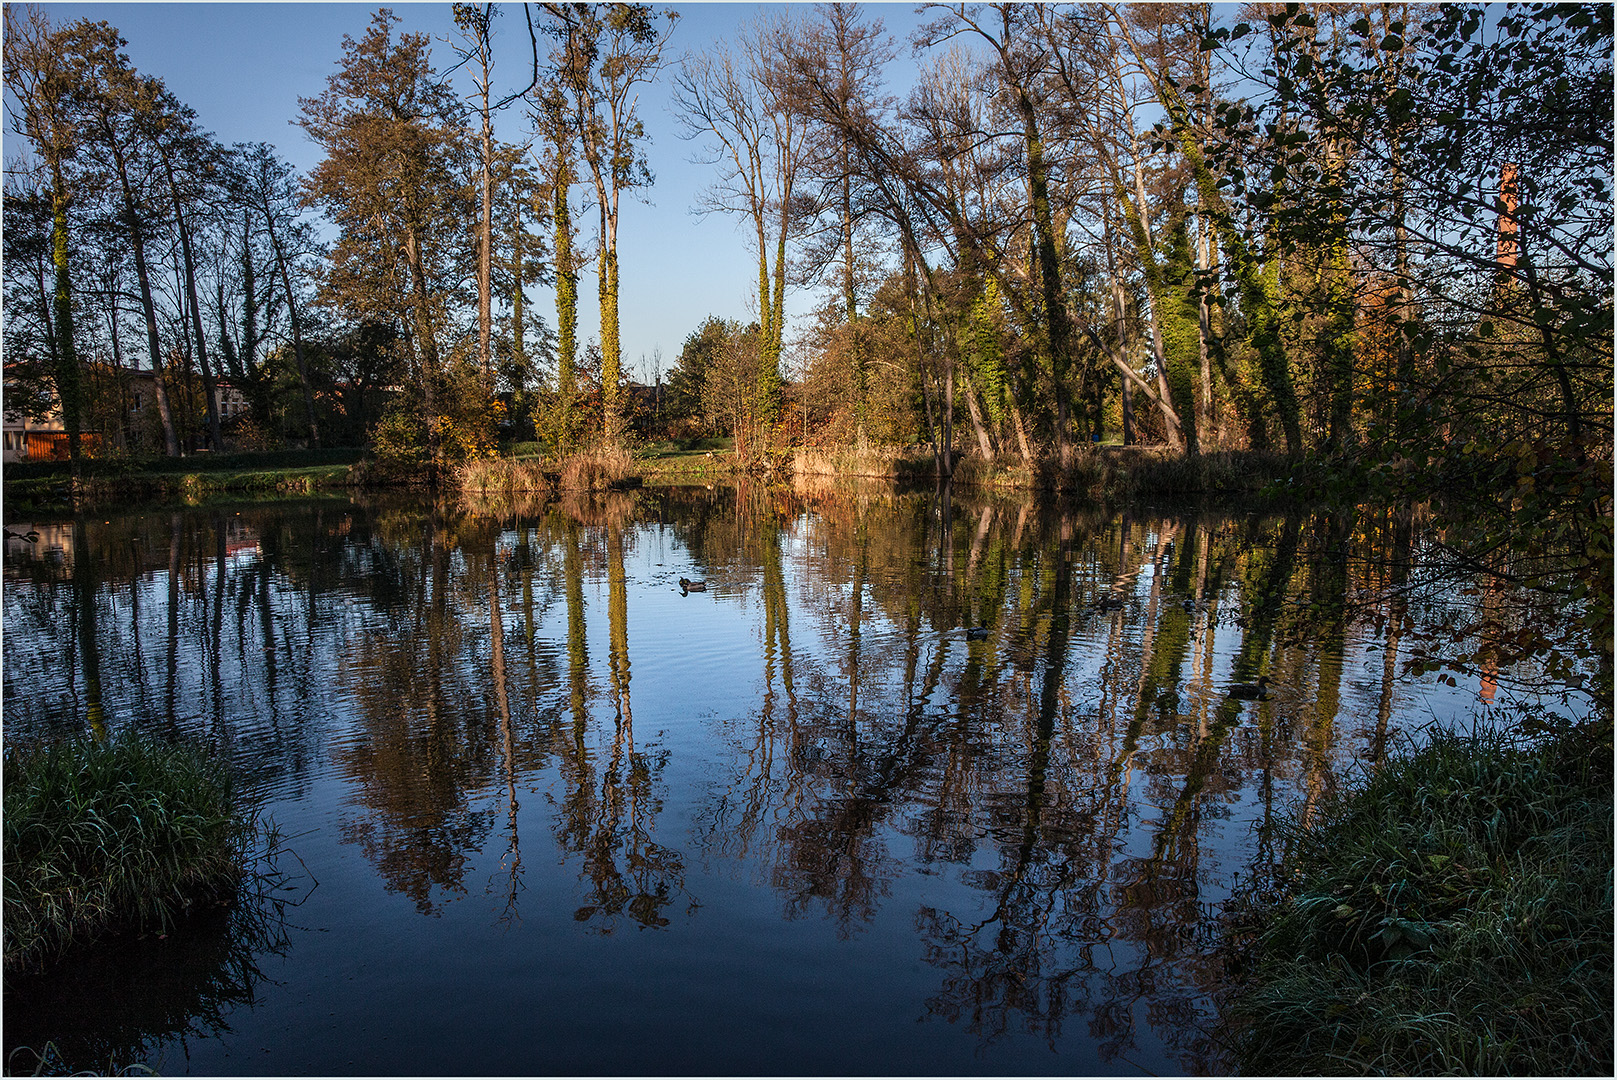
{"x":1104,"y":473}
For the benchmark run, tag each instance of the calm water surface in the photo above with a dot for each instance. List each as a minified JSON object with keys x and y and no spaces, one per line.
{"x":547,"y":814}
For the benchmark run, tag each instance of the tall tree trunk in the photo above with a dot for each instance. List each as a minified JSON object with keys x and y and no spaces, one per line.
{"x":611,"y":347}
{"x":566,"y":298}
{"x":485,"y":244}
{"x":1339,"y":318}
{"x":519,"y":347}
{"x":766,"y":376}
{"x":948,"y":411}
{"x":777,"y":336}
{"x":1167,"y":303}
{"x":1057,"y":332}
{"x":210,"y":387}
{"x":69,"y":378}
{"x":281,"y":266}
{"x":984,"y":445}
{"x":861,"y":376}
{"x":1204,"y":325}
{"x":427,"y":347}
{"x":137,"y":244}
{"x":1021,"y":434}
{"x":1258,"y":285}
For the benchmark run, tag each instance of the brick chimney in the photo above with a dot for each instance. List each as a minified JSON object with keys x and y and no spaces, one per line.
{"x":1507,"y":246}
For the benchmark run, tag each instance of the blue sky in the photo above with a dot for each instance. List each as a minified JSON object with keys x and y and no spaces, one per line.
{"x":242,"y":67}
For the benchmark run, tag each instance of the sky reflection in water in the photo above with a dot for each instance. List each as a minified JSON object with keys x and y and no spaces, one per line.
{"x":565,"y":819}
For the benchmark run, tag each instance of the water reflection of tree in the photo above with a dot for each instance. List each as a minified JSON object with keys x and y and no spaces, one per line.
{"x":1073,"y":769}
{"x":1026,"y":765}
{"x":422,"y":742}
{"x":512,"y":860}
{"x":769,"y":758}
{"x":609,"y":804}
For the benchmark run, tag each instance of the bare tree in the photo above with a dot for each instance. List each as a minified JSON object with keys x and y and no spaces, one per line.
{"x":850,"y":52}
{"x":736,"y":97}
{"x":37,"y":77}
{"x":268,"y":187}
{"x":113,"y":108}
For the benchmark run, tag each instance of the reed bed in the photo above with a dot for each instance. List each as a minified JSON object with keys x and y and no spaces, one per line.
{"x":878,"y":461}
{"x":1452,"y":916}
{"x":506,"y":476}
{"x":125,"y":834}
{"x":598,"y":470}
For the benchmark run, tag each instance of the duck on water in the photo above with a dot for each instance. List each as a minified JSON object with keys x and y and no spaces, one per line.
{"x":1245,"y":691}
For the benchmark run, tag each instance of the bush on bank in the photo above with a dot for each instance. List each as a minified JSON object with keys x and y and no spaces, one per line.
{"x":103,"y":836}
{"x":1452,"y":916}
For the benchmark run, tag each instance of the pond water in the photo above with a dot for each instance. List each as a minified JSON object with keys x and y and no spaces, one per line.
{"x":548,"y":813}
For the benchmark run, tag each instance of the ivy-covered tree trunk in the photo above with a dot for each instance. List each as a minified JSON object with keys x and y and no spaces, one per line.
{"x":611,"y":348}
{"x":1057,"y":332}
{"x":566,"y":301}
{"x":770,"y":368}
{"x":766,"y":379}
{"x":1180,"y":318}
{"x":1258,"y":286}
{"x":1179,"y":421}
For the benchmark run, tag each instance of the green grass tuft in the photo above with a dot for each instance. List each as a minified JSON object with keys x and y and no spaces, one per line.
{"x":1453,"y":916}
{"x":126,"y":834}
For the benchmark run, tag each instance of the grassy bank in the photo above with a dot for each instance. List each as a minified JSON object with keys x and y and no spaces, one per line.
{"x":34,"y":487}
{"x":1099,"y":474}
{"x":1454,"y":915}
{"x":101,"y":837}
{"x":684,"y":461}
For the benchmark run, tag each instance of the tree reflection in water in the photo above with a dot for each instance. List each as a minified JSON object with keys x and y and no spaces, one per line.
{"x":1056,"y":803}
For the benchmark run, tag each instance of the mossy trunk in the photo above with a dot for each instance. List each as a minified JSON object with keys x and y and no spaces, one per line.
{"x":1058,"y":336}
{"x":1258,"y":286}
{"x":611,"y":348}
{"x":566,"y":305}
